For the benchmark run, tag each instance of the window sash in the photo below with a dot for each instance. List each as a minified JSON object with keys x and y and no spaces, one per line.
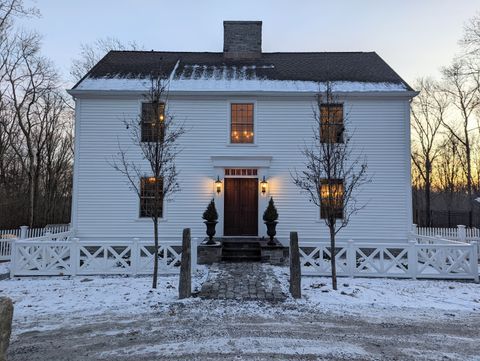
{"x":331,"y":123}
{"x":337,"y":189}
{"x":152,"y":126}
{"x":147,"y":196}
{"x":241,"y":123}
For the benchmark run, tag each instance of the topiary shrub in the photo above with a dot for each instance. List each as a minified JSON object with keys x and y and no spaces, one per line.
{"x":210,"y":214}
{"x":270,"y":214}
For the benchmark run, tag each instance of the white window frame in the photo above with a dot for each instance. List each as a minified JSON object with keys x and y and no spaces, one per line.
{"x":229,"y":127}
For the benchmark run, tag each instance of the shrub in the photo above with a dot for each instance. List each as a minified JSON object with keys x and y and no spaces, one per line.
{"x":270,"y":214}
{"x":210,"y":214}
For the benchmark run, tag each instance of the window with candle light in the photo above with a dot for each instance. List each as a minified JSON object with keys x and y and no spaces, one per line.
{"x":152,"y":122}
{"x":331,"y":198}
{"x":241,"y":128}
{"x":331,"y":123}
{"x":148,"y":187}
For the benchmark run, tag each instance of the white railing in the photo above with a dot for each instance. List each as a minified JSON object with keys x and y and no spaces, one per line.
{"x":26,"y":232}
{"x":33,"y":257}
{"x":52,"y":233}
{"x":460,"y":234}
{"x":441,"y":260}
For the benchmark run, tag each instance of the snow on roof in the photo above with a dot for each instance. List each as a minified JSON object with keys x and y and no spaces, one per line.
{"x":216,"y":83}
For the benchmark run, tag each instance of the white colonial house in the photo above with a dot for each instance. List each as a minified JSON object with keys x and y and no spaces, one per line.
{"x":248,"y":115}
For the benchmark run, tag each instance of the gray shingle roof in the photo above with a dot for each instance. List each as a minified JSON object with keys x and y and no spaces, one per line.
{"x":318,"y":67}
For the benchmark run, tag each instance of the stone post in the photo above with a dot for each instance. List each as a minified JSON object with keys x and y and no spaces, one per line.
{"x":185,"y":282}
{"x":6,"y":315}
{"x":295,"y":271}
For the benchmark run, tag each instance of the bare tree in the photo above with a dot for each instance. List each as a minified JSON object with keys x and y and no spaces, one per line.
{"x":428,"y":114}
{"x":333,"y":173}
{"x":155,"y":134}
{"x":90,"y":54}
{"x":449,"y":171}
{"x":35,"y":128}
{"x":462,"y":85}
{"x":471,"y":36}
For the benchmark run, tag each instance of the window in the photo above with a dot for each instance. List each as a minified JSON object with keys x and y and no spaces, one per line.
{"x":240,"y":172}
{"x":152,"y":118}
{"x":331,"y":123}
{"x":241,"y":130}
{"x":147,"y":196}
{"x":331,"y":194}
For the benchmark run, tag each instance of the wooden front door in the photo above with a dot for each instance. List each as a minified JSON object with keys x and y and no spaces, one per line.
{"x":241,"y":207}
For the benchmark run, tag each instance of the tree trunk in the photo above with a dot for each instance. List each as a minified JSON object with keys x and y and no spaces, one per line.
{"x":155,"y":253}
{"x":332,"y":258}
{"x":428,"y":187}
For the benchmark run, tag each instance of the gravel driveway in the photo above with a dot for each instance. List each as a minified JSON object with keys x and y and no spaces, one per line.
{"x":225,"y":330}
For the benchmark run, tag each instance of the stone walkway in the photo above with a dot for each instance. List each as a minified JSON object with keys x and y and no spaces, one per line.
{"x":242,"y":281}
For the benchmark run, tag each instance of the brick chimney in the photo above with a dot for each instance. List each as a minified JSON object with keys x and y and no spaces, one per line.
{"x":242,"y":40}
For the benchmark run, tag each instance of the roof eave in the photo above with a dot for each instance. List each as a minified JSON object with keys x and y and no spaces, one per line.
{"x":84,"y":93}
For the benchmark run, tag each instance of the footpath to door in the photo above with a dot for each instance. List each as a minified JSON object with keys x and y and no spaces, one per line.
{"x":242,"y":281}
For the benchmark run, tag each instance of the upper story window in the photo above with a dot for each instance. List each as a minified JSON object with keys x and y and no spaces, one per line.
{"x":148,"y":187}
{"x":241,"y":128}
{"x":331,"y":198}
{"x":152,"y":117}
{"x":331,"y":123}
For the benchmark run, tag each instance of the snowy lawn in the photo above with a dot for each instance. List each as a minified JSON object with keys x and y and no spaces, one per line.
{"x":93,"y":295}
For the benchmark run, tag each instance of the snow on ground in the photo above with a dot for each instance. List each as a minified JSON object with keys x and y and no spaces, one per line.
{"x":43,"y":297}
{"x":381,"y":293}
{"x":4,"y":268}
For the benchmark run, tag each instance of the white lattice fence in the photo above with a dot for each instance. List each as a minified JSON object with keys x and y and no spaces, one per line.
{"x":75,"y":257}
{"x":51,"y":233}
{"x":5,"y":249}
{"x":447,"y":260}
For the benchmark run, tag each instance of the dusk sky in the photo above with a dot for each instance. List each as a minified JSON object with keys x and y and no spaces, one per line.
{"x":416,"y":37}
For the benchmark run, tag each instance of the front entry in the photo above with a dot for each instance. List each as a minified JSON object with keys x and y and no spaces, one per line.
{"x":241,"y":207}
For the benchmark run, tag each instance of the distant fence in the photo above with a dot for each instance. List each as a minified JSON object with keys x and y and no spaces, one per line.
{"x":71,"y":256}
{"x":428,"y":258}
{"x":7,"y":235}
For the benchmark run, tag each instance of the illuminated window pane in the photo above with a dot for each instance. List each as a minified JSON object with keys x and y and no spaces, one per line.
{"x":152,"y":117}
{"x":331,"y":123}
{"x":331,"y":194}
{"x":147,"y":197}
{"x":241,"y":123}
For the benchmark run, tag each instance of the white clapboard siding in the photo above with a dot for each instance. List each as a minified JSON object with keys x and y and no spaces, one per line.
{"x":105,"y":208}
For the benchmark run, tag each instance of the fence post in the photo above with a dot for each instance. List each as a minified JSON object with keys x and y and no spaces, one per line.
{"x":23,"y":232}
{"x":185,"y":283}
{"x":474,"y":261}
{"x":412,"y":259}
{"x":194,"y":254}
{"x":74,"y":256}
{"x":135,"y":261}
{"x":351,"y":257}
{"x":13,"y":253}
{"x":414,"y":228}
{"x":295,"y":270}
{"x":462,"y":233}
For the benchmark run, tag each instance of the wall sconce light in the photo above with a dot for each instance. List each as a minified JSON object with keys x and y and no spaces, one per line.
{"x":218,"y":185}
{"x":263,"y":186}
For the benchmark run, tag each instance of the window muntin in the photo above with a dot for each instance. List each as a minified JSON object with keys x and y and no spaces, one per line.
{"x":152,"y":117}
{"x":241,"y":127}
{"x":331,"y":197}
{"x":331,"y":123}
{"x":147,"y":196}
